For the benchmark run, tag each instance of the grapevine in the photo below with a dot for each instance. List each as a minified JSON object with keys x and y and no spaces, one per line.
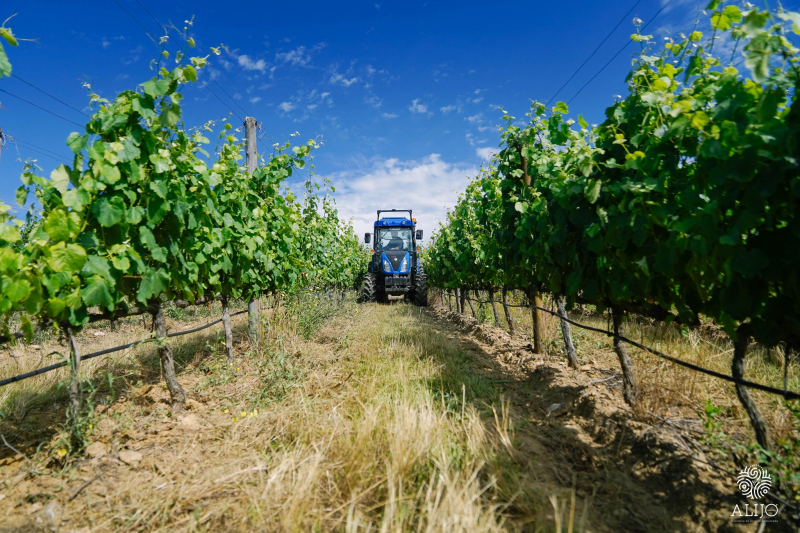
{"x":682,"y":204}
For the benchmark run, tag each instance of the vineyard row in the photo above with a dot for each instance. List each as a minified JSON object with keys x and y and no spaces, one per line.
{"x":684,"y":205}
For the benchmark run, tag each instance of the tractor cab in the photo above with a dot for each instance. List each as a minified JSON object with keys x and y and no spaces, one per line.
{"x":395,"y":268}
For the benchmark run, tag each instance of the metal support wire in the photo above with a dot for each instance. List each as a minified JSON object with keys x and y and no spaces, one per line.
{"x":789,"y":395}
{"x":38,"y":371}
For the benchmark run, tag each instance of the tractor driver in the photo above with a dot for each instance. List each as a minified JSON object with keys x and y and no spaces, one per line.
{"x":394,"y":245}
{"x":395,"y":239}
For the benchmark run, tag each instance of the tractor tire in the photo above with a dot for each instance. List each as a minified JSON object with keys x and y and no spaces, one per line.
{"x":421,"y":289}
{"x":368,"y":289}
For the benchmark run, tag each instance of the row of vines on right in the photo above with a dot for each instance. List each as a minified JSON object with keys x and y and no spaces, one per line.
{"x":682,"y":206}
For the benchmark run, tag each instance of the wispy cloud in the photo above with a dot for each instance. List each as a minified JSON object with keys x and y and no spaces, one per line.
{"x":339,"y":79}
{"x":389,"y":115}
{"x":416,"y":107}
{"x":374,"y":101}
{"x":286,"y":106}
{"x":300,"y":56}
{"x":255,"y":99}
{"x":448,"y":108}
{"x":248,"y":64}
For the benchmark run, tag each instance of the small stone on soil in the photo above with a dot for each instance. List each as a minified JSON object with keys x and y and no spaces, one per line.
{"x":130,"y":457}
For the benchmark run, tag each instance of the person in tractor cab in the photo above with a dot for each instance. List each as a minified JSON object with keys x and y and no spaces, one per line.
{"x":394,"y":240}
{"x":394,"y":245}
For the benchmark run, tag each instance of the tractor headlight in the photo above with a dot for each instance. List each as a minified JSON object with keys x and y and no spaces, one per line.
{"x":387,"y":267}
{"x":404,"y":265}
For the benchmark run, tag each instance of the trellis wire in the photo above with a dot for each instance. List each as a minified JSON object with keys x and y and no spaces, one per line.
{"x":38,"y":371}
{"x":788,"y":395}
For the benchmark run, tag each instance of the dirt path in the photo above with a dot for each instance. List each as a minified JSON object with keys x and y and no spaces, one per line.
{"x":575,"y":430}
{"x":390,"y":417}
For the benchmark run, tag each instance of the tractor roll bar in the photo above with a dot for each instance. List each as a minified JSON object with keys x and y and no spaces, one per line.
{"x":394,"y":211}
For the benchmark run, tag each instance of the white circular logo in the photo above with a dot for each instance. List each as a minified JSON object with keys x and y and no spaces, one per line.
{"x":754,"y":482}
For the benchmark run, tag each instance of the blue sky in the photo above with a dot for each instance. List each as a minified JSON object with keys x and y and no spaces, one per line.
{"x":404,"y":95}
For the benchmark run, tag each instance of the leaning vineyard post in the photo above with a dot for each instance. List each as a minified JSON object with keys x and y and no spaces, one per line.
{"x":251,"y":153}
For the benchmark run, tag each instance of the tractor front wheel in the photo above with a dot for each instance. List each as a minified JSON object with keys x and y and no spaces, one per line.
{"x":368,"y":289}
{"x":421,"y":289}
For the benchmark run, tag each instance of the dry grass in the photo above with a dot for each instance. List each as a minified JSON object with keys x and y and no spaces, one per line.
{"x":377,"y":424}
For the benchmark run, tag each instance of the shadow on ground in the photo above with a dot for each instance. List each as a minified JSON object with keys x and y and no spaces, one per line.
{"x":573,"y":431}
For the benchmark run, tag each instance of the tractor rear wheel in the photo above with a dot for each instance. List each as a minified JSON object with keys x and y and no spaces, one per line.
{"x":421,"y":289}
{"x":368,"y":289}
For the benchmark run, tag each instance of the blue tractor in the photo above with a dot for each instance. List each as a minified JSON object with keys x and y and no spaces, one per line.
{"x":395,"y":268}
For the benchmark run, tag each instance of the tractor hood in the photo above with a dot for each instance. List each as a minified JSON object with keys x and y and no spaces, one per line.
{"x":396,"y":261}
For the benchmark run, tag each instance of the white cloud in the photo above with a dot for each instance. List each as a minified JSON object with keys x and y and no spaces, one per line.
{"x":360,"y":194}
{"x":255,"y":99}
{"x":341,"y":80}
{"x":446,"y":109}
{"x":476,"y":119}
{"x":248,"y":64}
{"x":486,"y":152}
{"x":416,"y":107}
{"x":286,"y":106}
{"x":389,"y":115}
{"x":298,"y":57}
{"x":374,"y":101}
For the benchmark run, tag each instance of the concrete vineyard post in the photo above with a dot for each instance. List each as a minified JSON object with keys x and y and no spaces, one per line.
{"x":251,"y":153}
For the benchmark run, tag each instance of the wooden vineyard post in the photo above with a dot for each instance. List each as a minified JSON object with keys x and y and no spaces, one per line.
{"x":628,"y":377}
{"x":462,"y":298}
{"x":251,"y":153}
{"x":226,"y":324}
{"x":469,"y":302}
{"x":760,"y":426}
{"x":494,"y":308}
{"x":566,"y":331}
{"x":511,"y":327}
{"x":176,"y":392}
{"x":75,"y":383}
{"x":536,"y":317}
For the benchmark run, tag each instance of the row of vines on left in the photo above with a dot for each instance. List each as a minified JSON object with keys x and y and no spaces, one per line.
{"x":144,"y":215}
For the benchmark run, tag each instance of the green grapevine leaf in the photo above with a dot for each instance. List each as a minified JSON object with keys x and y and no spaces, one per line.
{"x":97,"y":292}
{"x":67,"y":257}
{"x":108,"y":211}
